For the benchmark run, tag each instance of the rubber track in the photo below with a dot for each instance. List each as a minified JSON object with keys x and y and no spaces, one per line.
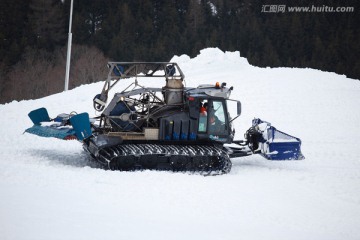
{"x":202,"y":159}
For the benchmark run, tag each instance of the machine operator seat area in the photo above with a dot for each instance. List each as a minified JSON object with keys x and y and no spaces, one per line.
{"x":212,"y":117}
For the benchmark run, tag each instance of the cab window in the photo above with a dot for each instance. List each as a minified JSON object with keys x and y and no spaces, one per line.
{"x":217,"y":118}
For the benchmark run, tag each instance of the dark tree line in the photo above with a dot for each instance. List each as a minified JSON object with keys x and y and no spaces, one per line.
{"x":33,"y":37}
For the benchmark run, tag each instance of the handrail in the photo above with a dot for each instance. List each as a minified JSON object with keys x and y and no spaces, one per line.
{"x":119,"y":70}
{"x":122,"y":70}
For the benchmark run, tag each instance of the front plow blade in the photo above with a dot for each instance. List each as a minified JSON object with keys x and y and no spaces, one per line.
{"x":274,"y":144}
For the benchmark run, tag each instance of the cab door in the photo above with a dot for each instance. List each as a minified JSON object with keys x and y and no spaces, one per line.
{"x":217,"y":118}
{"x":213,"y":120}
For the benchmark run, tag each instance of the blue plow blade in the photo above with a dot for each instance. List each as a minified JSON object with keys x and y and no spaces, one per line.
{"x":64,"y":126}
{"x":277,"y":145}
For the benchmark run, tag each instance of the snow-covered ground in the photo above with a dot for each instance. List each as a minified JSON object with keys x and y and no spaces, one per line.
{"x":49,"y":190}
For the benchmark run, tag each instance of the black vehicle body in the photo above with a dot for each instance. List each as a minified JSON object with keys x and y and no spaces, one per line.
{"x":169,"y":128}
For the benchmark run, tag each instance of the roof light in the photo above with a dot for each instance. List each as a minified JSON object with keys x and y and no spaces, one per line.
{"x":217,"y":85}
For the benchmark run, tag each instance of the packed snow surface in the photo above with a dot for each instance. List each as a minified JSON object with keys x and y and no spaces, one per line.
{"x":49,"y":189}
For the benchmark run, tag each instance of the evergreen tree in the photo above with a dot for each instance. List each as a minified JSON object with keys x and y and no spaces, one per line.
{"x":14,"y":34}
{"x":47,"y":23}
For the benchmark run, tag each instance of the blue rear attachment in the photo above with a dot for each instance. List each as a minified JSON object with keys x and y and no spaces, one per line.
{"x":278,"y":145}
{"x":59,"y":127}
{"x":39,"y":115}
{"x":81,"y":125}
{"x":49,"y":128}
{"x":48,"y":131}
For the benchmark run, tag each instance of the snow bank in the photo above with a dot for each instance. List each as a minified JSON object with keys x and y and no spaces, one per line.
{"x":49,"y":189}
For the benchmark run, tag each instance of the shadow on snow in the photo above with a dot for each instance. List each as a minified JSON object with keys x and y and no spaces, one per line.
{"x":80,"y":159}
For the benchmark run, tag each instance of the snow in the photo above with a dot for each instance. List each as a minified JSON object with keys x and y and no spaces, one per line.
{"x":49,"y":189}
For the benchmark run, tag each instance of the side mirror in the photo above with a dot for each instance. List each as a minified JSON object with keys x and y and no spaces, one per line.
{"x":238,"y":108}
